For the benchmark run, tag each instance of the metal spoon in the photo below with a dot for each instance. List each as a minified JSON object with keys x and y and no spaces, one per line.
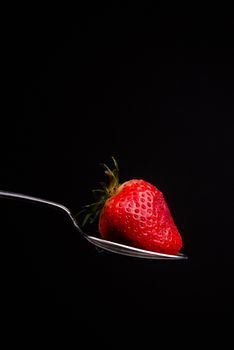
{"x":98,"y":242}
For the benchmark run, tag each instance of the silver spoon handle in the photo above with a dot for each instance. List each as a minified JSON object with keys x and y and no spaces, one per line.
{"x":14,"y":195}
{"x":32,"y":199}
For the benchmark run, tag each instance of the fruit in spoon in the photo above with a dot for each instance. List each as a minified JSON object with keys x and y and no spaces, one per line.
{"x":133,"y":213}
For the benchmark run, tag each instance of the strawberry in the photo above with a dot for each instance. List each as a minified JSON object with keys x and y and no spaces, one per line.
{"x":134,"y":213}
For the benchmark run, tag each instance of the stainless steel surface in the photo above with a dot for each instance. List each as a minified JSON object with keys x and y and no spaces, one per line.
{"x":98,"y":242}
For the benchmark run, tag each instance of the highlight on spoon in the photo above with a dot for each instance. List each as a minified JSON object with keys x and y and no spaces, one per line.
{"x":123,"y":249}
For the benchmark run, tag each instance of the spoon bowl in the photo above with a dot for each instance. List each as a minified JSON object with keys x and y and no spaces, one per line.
{"x":110,"y":246}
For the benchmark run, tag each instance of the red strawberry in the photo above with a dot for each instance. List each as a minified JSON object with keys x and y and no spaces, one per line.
{"x":135,"y":213}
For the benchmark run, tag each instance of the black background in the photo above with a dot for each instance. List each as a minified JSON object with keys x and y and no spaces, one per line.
{"x":156,"y":92}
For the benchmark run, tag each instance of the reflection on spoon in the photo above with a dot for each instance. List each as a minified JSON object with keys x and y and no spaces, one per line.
{"x":98,"y":242}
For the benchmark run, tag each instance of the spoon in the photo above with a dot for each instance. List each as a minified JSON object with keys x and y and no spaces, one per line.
{"x":98,"y":242}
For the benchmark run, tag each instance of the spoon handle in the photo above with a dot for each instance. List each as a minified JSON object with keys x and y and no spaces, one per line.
{"x":14,"y":195}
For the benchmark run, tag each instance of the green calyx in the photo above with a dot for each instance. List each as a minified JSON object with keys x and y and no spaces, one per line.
{"x":90,"y":212}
